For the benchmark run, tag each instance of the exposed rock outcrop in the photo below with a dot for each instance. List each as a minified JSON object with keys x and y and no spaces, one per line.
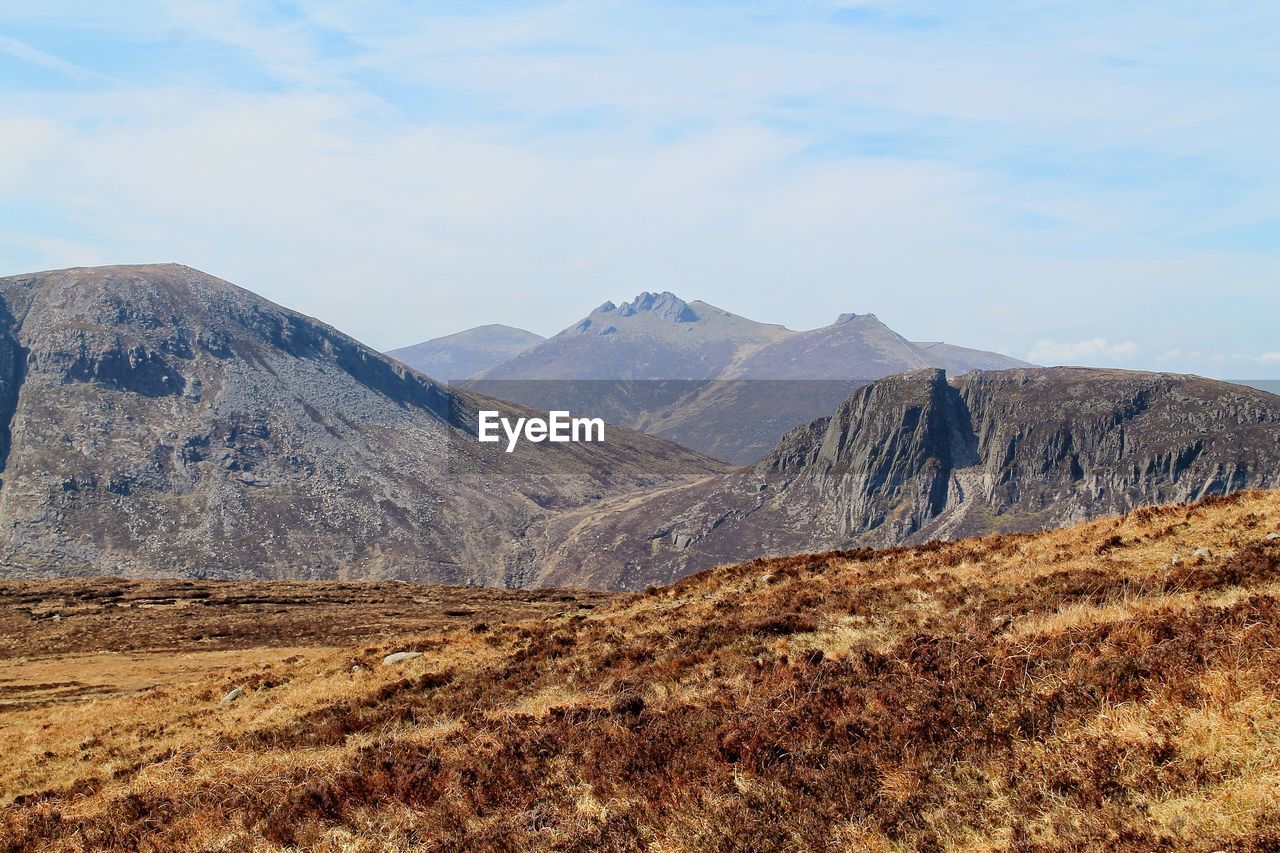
{"x":914,"y":457}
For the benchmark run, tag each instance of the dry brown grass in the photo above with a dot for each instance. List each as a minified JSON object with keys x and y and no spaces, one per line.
{"x":1071,"y":690}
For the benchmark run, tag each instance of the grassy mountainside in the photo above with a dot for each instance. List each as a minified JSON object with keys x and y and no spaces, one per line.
{"x":1096,"y":687}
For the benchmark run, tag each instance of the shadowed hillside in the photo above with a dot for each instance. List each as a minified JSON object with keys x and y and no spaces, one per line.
{"x":1110,"y":686}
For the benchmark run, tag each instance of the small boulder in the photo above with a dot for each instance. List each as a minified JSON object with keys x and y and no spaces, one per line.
{"x":1202,"y":554}
{"x":232,"y":696}
{"x":357,"y":668}
{"x":1273,"y":537}
{"x":400,"y":657}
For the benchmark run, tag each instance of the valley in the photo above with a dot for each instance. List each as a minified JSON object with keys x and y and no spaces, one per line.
{"x":68,"y":641}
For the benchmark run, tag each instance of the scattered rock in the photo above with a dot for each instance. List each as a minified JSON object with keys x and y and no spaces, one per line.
{"x":1175,"y":560}
{"x":1202,"y":554}
{"x":1273,"y":537}
{"x":357,"y":668}
{"x":232,"y":696}
{"x":766,"y":578}
{"x":400,"y":657}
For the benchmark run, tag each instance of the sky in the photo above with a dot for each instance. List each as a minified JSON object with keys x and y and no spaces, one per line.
{"x":1067,"y":182}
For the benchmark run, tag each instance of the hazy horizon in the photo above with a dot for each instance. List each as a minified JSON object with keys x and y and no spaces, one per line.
{"x":1061,"y":183}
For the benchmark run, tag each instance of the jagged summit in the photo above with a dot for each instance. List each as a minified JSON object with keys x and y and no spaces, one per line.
{"x":653,"y":336}
{"x":850,"y":317}
{"x":665,"y":305}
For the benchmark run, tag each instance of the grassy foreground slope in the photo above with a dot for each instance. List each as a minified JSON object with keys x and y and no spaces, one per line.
{"x":1073,"y":689}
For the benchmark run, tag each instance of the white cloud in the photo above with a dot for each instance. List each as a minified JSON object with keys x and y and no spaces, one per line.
{"x":1271,"y":356}
{"x":411,"y":171}
{"x":1089,"y":351}
{"x":27,"y":53}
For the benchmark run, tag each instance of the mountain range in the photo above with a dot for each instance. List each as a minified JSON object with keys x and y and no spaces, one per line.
{"x":158,"y":421}
{"x":710,"y":380}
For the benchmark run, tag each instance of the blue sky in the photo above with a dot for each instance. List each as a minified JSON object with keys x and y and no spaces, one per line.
{"x":1092,"y":183}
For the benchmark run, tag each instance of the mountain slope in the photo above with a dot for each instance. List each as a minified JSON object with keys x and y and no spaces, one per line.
{"x":914,"y":457}
{"x":956,"y":360}
{"x":462,"y":355}
{"x":1096,"y":688}
{"x":853,"y":347}
{"x":160,"y":421}
{"x":655,"y":336}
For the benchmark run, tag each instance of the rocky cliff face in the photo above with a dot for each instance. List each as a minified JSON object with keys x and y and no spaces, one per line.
{"x":158,"y":421}
{"x":915,"y":457}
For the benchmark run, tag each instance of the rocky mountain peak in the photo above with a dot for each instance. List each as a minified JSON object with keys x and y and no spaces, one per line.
{"x":665,"y":305}
{"x":859,"y":319}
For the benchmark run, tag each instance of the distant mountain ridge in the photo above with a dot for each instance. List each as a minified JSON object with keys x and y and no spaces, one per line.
{"x":659,"y":336}
{"x":464,"y":354}
{"x":654,"y":336}
{"x":915,"y":457}
{"x":711,"y":380}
